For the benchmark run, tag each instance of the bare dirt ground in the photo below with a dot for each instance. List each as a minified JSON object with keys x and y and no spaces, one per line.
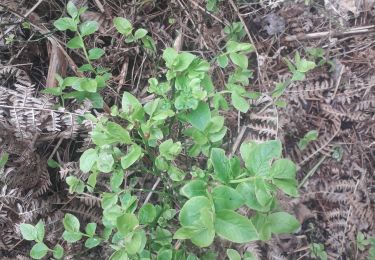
{"x":337,"y":98}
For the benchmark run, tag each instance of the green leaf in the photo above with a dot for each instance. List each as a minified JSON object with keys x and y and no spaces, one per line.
{"x":191,"y":211}
{"x":170,"y":150}
{"x":126,"y":223}
{"x":140,"y":33}
{"x":261,"y":223}
{"x":200,"y":117}
{"x":39,"y":228}
{"x":88,"y":27}
{"x":283,"y":223}
{"x":58,"y":251}
{"x":131,"y":106}
{"x":222,"y":60}
{"x":72,"y":237}
{"x":65,"y":23}
{"x":28,"y":232}
{"x":297,"y":76}
{"x":233,"y":254}
{"x":89,"y":85}
{"x":90,"y":229}
{"x":185,"y":232}
{"x":71,"y":223}
{"x":310,"y":136}
{"x":234,"y":227}
{"x":287,"y":185}
{"x":72,"y":9}
{"x":165,"y":254}
{"x":239,"y":102}
{"x":239,"y":59}
{"x":134,"y":245}
{"x":75,"y":184}
{"x":247,"y":190}
{"x":175,"y":173}
{"x":305,"y":65}
{"x":123,"y":25}
{"x":75,"y":43}
{"x":134,"y":154}
{"x":109,"y":200}
{"x":169,"y":56}
{"x":221,"y":165}
{"x":51,"y":163}
{"x":87,"y":160}
{"x":92,"y":242}
{"x":105,"y":162}
{"x":283,"y":169}
{"x":96,"y":53}
{"x":183,"y":61}
{"x":147,"y":214}
{"x":194,"y":188}
{"x":39,"y":250}
{"x":118,"y":133}
{"x":3,"y":159}
{"x":262,"y":192}
{"x":226,"y":197}
{"x":257,"y":156}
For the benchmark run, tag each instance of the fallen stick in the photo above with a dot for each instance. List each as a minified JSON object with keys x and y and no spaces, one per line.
{"x":318,"y":35}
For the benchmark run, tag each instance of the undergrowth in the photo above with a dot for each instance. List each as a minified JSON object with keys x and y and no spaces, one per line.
{"x":176,"y":138}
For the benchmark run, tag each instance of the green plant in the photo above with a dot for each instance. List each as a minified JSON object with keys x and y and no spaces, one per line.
{"x":299,"y":67}
{"x":235,"y":31}
{"x":211,"y":5}
{"x":362,"y":243}
{"x":308,"y":137}
{"x":83,"y":87}
{"x":175,"y":139}
{"x":40,"y":249}
{"x":317,"y":251}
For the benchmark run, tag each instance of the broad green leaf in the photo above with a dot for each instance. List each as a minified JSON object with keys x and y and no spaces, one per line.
{"x":239,"y":59}
{"x":120,"y":254}
{"x":75,"y":184}
{"x":131,"y":106}
{"x":305,"y":65}
{"x":72,"y":237}
{"x":90,"y":229}
{"x":222,"y":60}
{"x":204,"y":237}
{"x":194,"y":188}
{"x":257,"y":156}
{"x":221,"y":165}
{"x":200,"y":117}
{"x":233,"y":46}
{"x":133,"y":245}
{"x":129,"y":159}
{"x":175,"y":173}
{"x":123,"y":25}
{"x":109,"y":200}
{"x":247,"y":190}
{"x":92,"y":242}
{"x":140,"y":33}
{"x":58,"y":251}
{"x":118,"y":133}
{"x":262,"y":192}
{"x":288,"y":186}
{"x":169,"y":56}
{"x":126,"y":223}
{"x":186,"y":232}
{"x":191,"y":211}
{"x":310,"y":136}
{"x":226,"y":197}
{"x":116,"y":179}
{"x":279,"y":89}
{"x":65,"y":23}
{"x":51,"y":163}
{"x":75,"y":43}
{"x":234,"y":227}
{"x":297,"y":76}
{"x":39,"y":228}
{"x":147,"y":214}
{"x":240,"y":103}
{"x":88,"y":27}
{"x":283,"y":169}
{"x":105,"y":162}
{"x":233,"y":254}
{"x":282,"y":222}
{"x":89,"y":85}
{"x":165,"y":254}
{"x":28,"y":232}
{"x":261,"y":223}
{"x":170,"y":150}
{"x":39,"y":250}
{"x":72,"y":9}
{"x":183,"y":61}
{"x":71,"y":223}
{"x":96,"y":53}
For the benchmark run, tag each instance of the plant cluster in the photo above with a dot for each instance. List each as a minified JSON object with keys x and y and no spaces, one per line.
{"x":176,"y":138}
